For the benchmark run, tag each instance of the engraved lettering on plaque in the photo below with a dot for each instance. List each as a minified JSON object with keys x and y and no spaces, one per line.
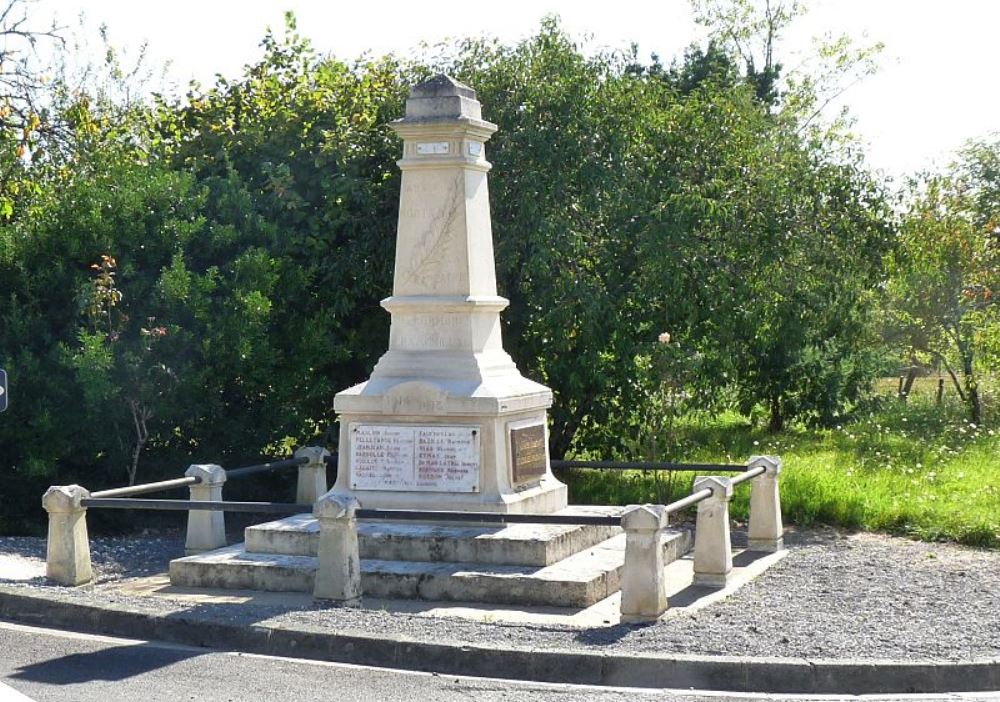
{"x":418,"y":458}
{"x":528,"y":452}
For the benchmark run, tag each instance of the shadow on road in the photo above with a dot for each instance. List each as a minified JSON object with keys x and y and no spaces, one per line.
{"x":116,"y":663}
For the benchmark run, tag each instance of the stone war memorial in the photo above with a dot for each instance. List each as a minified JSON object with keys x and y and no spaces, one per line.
{"x":444,"y":487}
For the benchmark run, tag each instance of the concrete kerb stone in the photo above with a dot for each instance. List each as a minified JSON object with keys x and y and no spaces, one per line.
{"x":778,"y":675}
{"x":67,"y":559}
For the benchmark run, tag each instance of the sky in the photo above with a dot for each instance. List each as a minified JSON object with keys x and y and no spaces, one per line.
{"x":938,"y":83}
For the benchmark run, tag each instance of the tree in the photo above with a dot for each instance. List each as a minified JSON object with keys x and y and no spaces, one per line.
{"x":945,"y":277}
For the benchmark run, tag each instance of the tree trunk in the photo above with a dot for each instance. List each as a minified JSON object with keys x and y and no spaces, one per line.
{"x":777,"y":421}
{"x":971,"y":385}
{"x":911,"y":375}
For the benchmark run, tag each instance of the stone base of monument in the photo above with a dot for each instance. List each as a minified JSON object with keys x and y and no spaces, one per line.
{"x":522,"y":564}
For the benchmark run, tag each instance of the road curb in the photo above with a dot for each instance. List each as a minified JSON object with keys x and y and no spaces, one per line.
{"x":735,"y":674}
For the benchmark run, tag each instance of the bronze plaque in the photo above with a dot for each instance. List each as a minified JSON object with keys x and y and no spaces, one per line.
{"x":527,"y":452}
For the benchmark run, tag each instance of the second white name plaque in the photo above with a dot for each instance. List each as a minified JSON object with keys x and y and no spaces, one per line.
{"x":418,"y":458}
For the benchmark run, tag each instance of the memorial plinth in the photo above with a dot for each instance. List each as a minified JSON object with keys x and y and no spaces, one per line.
{"x":446,"y":420}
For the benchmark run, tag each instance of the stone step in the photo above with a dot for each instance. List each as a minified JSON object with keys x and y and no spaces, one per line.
{"x":514,"y":544}
{"x":577,"y":581}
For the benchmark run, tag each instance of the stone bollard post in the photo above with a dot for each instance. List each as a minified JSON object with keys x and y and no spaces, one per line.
{"x":68,"y":558}
{"x":338,"y":574}
{"x":644,"y":587}
{"x":206,"y":529}
{"x":766,"y":531}
{"x":312,"y":475}
{"x":713,"y":554}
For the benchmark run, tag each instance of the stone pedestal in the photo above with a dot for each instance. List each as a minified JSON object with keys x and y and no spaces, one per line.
{"x":311,"y":484}
{"x":713,"y":553}
{"x":446,"y":421}
{"x":766,"y":532}
{"x":644,"y":587}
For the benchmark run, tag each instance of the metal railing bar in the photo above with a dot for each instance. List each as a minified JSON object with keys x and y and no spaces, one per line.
{"x":147,"y":487}
{"x":206,"y":505}
{"x":689,"y":501}
{"x":265,"y":467}
{"x":331,"y":459}
{"x":749,"y":475}
{"x":648,"y":465}
{"x":488,"y":517}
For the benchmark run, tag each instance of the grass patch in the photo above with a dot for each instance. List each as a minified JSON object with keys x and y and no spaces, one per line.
{"x":917,"y":469}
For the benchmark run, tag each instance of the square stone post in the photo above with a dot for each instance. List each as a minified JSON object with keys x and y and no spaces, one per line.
{"x":766,"y":530}
{"x":644,"y":588}
{"x":206,"y":529}
{"x":713,"y":554}
{"x":68,"y":558}
{"x":338,"y":574}
{"x":312,"y":475}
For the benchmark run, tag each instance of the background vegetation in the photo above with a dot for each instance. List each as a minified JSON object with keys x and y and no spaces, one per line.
{"x":697,"y":265}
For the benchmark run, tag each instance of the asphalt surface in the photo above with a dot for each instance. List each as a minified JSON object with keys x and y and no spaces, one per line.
{"x":46,"y":664}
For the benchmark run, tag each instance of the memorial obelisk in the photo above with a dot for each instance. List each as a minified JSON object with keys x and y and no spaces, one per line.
{"x":446,"y":421}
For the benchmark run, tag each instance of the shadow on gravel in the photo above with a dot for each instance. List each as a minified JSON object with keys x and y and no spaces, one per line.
{"x":115,"y":663}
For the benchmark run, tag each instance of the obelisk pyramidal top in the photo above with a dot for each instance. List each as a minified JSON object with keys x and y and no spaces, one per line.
{"x":446,"y":421}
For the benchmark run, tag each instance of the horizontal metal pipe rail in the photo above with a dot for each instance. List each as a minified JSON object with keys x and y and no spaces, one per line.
{"x":147,"y":487}
{"x":749,"y":475}
{"x":207,"y":505}
{"x":648,"y":465}
{"x":488,"y":517}
{"x":382,"y":514}
{"x":265,"y":467}
{"x":689,"y":501}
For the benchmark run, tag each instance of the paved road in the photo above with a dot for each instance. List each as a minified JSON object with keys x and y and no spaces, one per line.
{"x":45,"y":664}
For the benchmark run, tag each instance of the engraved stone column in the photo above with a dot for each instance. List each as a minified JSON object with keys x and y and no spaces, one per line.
{"x":67,"y":559}
{"x":713,"y":553}
{"x":338,"y":572}
{"x":206,"y":529}
{"x":644,"y":588}
{"x":766,"y":532}
{"x":312,"y":475}
{"x":446,"y":421}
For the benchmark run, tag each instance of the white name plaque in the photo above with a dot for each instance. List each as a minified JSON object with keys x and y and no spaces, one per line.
{"x":418,"y":458}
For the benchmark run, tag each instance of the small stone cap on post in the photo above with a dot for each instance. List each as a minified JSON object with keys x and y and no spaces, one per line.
{"x":61,"y":499}
{"x":442,"y":97}
{"x":316,"y":455}
{"x":722,"y":488}
{"x":644,"y":518}
{"x":771,"y":464}
{"x":210,"y":473}
{"x":331,"y":506}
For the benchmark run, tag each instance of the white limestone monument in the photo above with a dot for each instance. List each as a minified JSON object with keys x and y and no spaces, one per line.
{"x":446,"y":421}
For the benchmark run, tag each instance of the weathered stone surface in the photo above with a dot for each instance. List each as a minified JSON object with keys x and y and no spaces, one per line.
{"x":577,"y":581}
{"x":67,"y":560}
{"x":338,"y":573}
{"x":766,"y":531}
{"x":446,"y":364}
{"x":644,"y":592}
{"x":206,"y":530}
{"x":713,"y":553}
{"x":516,"y":544}
{"x":311,"y":483}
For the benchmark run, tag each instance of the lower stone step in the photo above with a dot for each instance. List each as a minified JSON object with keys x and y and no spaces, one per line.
{"x":578,"y":581}
{"x":514,"y":544}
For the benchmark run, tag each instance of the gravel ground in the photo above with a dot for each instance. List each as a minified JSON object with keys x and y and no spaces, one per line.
{"x":835,"y":595}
